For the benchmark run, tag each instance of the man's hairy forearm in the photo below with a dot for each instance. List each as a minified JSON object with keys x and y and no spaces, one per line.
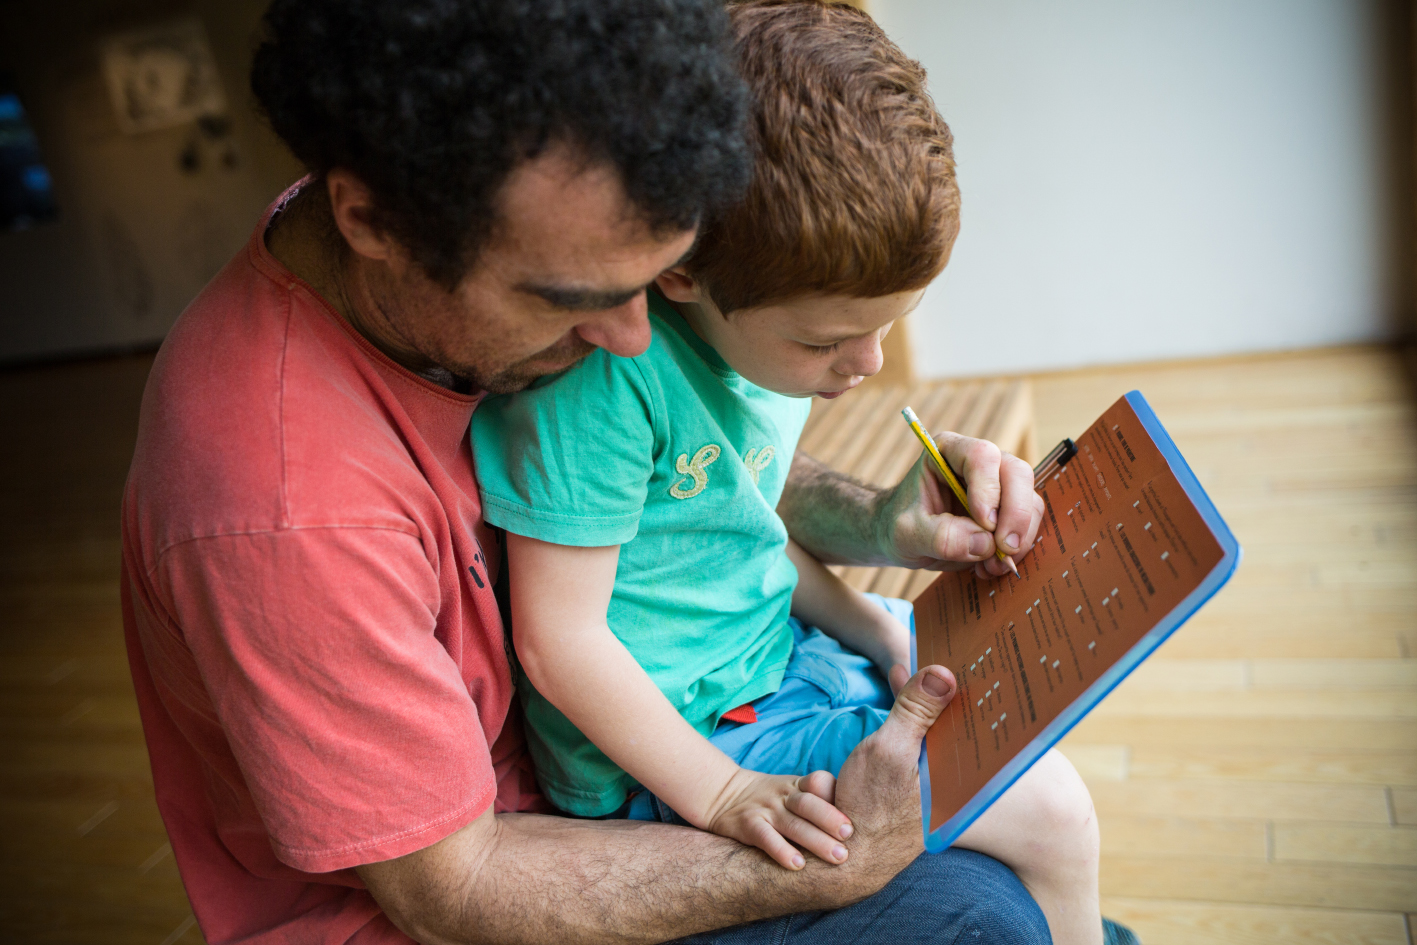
{"x":644,"y":882}
{"x":532,"y":878}
{"x":538,"y":879}
{"x":831,"y":515}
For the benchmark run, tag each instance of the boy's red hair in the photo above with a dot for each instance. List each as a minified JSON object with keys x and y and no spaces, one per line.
{"x":853,"y":190}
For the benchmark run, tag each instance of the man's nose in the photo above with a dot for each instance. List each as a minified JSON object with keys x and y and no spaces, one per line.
{"x":861,"y":357}
{"x":623,"y":330}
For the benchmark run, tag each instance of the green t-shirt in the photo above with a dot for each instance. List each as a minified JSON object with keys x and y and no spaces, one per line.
{"x":680,"y":461}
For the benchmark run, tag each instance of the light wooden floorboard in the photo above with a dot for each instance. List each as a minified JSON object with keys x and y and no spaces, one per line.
{"x":1099,"y":762}
{"x":1228,"y":879}
{"x":1317,"y":765}
{"x":1360,"y":703}
{"x":1308,"y":634}
{"x":1350,"y":674}
{"x":1257,"y":800}
{"x":1404,"y":806}
{"x":1293,"y":738}
{"x":1168,"y":922}
{"x":1345,"y":843}
{"x":1168,"y":836}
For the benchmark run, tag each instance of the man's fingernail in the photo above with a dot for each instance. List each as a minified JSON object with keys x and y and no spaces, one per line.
{"x":797,"y":862}
{"x":935,"y":685}
{"x":838,"y":852}
{"x":1012,"y":542}
{"x":993,"y":516}
{"x":845,"y":831}
{"x":979,"y":545}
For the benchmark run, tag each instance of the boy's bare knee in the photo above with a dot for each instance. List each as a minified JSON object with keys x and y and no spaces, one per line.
{"x":1061,"y":809}
{"x":1044,"y":827}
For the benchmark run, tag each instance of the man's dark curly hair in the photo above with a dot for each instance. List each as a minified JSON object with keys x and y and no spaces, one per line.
{"x":432,"y":103}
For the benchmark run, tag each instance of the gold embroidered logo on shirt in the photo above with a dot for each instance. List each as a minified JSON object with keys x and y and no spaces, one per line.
{"x":694,"y":468}
{"x":758,"y":460}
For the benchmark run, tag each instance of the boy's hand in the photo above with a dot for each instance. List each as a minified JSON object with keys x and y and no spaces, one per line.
{"x":926,"y":528}
{"x":768,"y":810}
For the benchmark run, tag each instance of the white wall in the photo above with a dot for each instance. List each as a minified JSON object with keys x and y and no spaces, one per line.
{"x":1150,"y":179}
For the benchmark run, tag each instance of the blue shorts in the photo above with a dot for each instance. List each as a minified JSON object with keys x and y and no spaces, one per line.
{"x":830,"y":699}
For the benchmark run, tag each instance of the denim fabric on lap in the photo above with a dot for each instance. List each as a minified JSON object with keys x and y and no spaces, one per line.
{"x":950,"y":898}
{"x":830,"y":699}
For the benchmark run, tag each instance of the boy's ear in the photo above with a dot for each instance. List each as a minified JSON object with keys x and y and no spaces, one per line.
{"x":677,"y":285}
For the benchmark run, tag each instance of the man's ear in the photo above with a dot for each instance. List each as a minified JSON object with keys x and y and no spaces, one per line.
{"x":352,"y":205}
{"x":677,"y":285}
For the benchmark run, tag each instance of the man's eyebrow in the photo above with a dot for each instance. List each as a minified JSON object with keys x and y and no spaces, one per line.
{"x":581,"y":300}
{"x":592,"y":300}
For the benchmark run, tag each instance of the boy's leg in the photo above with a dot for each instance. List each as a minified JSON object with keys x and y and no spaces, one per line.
{"x":830,"y":699}
{"x":1044,"y":828}
{"x":955,"y":896}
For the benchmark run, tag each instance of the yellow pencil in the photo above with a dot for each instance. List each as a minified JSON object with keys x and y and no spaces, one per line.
{"x":951,"y":479}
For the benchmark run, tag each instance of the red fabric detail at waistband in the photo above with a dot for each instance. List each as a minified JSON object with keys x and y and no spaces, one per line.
{"x":744,"y":713}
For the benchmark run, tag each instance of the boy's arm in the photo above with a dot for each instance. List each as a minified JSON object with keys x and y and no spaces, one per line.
{"x":559,"y":599}
{"x":843,"y":613}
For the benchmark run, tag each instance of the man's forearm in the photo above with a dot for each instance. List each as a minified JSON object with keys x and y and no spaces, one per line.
{"x":831,"y":515}
{"x":529,"y":878}
{"x":538,"y":879}
{"x":915,"y":523}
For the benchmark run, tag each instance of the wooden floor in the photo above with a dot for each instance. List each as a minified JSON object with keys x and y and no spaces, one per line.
{"x":1256,"y":781}
{"x":83,"y":854}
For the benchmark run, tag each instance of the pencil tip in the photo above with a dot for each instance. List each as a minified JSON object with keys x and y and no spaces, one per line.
{"x":1013,"y":567}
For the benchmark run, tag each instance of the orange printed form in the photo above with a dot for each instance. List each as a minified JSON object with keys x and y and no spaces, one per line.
{"x":1130,"y":547}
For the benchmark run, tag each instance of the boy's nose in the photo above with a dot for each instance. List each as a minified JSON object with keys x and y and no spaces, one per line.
{"x":861,"y":358}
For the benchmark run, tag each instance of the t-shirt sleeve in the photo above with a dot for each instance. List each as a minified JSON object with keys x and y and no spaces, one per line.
{"x":350,"y":722}
{"x":569,"y":460}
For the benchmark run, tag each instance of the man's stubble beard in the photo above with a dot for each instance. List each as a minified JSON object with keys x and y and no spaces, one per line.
{"x":507,"y":379}
{"x":520,"y":375}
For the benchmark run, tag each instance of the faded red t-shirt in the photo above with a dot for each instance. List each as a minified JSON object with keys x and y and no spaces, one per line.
{"x":317,"y":653}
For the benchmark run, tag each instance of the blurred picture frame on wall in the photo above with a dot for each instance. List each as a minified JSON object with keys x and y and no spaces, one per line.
{"x":162,"y":76}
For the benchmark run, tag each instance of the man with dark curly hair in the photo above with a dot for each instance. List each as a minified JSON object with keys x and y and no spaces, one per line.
{"x":316,"y":647}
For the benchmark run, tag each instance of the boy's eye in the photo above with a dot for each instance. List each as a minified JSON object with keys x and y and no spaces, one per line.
{"x":824,"y":349}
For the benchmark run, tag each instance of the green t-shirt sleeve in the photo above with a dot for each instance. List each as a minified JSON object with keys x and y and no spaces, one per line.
{"x":569,"y":459}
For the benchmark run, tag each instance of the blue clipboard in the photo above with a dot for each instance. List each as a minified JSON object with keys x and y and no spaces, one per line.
{"x":939,"y":839}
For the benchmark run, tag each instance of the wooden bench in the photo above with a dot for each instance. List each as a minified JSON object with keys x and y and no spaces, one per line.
{"x":863,"y":435}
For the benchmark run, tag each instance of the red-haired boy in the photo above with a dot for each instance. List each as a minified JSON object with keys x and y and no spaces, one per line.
{"x":683,"y":658}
